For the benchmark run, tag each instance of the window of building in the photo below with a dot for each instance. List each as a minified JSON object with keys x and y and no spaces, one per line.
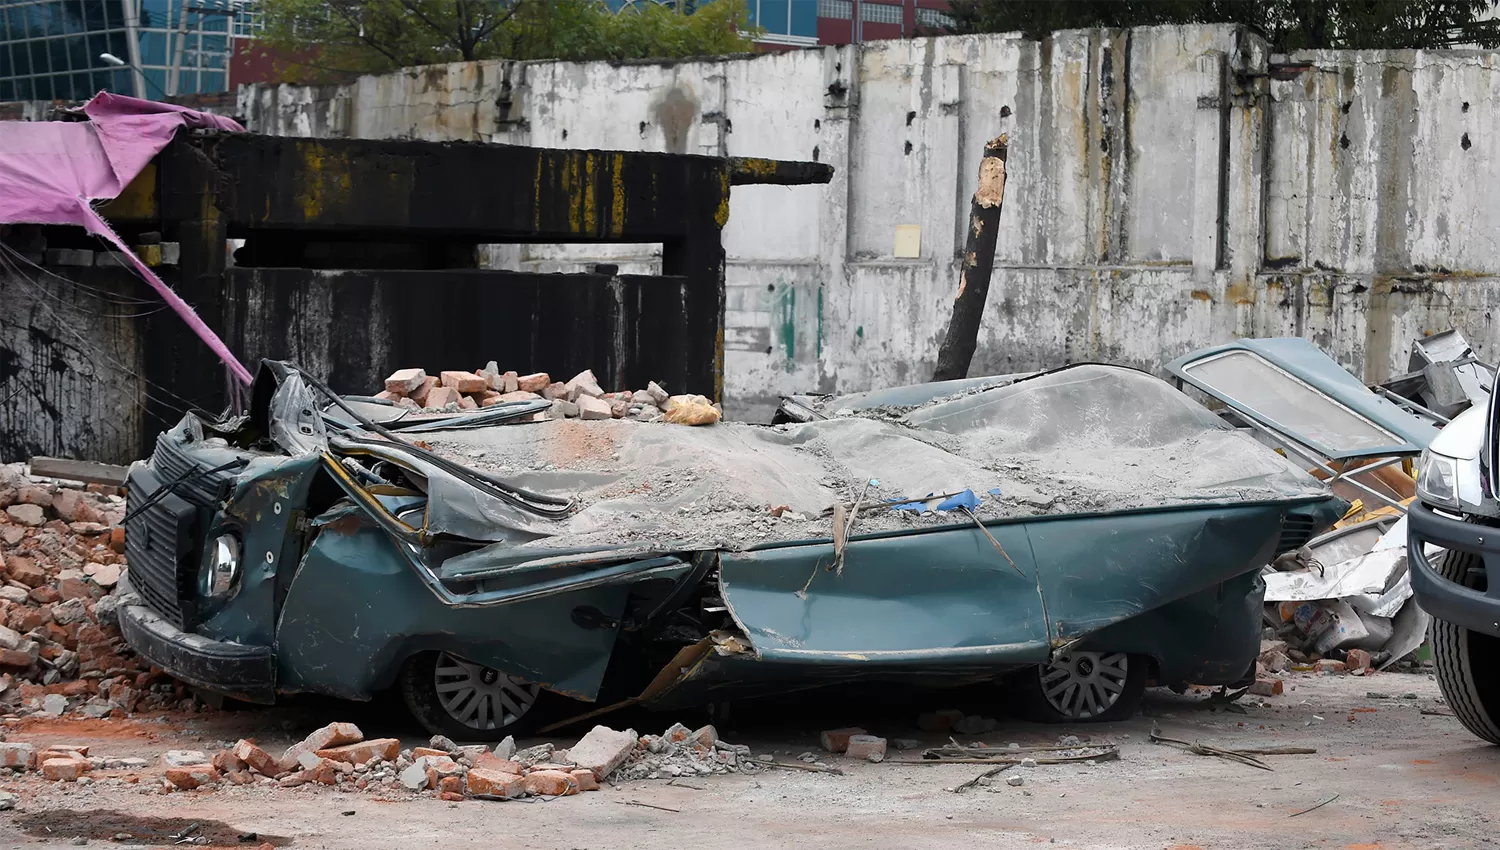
{"x":787,"y":21}
{"x":934,"y":18}
{"x":840,"y":9}
{"x":50,"y":49}
{"x":880,"y":13}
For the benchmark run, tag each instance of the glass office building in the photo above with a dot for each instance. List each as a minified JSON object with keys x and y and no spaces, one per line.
{"x":51,"y":49}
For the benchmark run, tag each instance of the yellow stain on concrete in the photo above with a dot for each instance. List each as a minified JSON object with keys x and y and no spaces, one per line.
{"x":137,"y":200}
{"x":326,"y":183}
{"x":617,"y":201}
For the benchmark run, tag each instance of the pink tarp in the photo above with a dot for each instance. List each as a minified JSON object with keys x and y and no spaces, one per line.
{"x":51,"y":171}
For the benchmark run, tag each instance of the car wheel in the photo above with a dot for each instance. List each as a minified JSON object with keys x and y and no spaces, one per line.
{"x":1081,"y":686}
{"x":1467,"y":661}
{"x":467,"y":701}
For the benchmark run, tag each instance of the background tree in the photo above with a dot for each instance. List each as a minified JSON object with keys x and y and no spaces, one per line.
{"x":1287,"y":24}
{"x":325,"y":39}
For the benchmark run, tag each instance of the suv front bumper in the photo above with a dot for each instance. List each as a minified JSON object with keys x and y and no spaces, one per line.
{"x":234,"y":669}
{"x":1442,"y":598}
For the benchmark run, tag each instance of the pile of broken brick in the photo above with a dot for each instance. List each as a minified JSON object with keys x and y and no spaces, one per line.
{"x":62,"y":555}
{"x":1277,"y":659}
{"x":581,"y":397}
{"x":339,"y":755}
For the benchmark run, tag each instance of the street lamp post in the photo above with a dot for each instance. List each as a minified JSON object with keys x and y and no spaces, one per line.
{"x":111,"y":59}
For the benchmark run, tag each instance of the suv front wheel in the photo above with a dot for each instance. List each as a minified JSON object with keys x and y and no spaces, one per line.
{"x":1467,"y":662}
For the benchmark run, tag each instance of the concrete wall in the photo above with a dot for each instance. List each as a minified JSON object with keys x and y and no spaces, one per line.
{"x":70,"y":364}
{"x":1169,"y":188}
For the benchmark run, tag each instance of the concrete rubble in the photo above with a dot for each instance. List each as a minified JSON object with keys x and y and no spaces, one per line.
{"x":62,"y":558}
{"x":581,"y":397}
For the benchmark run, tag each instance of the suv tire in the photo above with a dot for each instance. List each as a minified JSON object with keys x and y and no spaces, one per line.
{"x":1467,"y":662}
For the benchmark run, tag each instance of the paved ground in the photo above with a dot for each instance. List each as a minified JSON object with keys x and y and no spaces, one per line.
{"x":1397,"y":778}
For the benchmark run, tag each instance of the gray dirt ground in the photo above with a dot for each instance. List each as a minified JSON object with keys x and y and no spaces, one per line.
{"x":1402,"y":779}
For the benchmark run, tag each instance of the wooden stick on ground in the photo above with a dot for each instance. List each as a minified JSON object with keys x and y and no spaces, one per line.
{"x":792,"y":765}
{"x":988,"y":774}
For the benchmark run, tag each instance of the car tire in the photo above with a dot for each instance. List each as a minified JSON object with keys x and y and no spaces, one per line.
{"x":1105,"y":686}
{"x":1467,"y":662}
{"x":465,"y":701}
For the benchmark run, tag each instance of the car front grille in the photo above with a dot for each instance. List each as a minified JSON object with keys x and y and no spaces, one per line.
{"x":1295,"y":532}
{"x":163,"y":540}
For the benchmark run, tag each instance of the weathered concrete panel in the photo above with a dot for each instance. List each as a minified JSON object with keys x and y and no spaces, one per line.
{"x":1163,"y":191}
{"x":70,"y":363}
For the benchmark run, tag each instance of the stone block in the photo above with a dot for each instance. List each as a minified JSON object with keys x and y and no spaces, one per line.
{"x":603,"y":749}
{"x":867,"y":747}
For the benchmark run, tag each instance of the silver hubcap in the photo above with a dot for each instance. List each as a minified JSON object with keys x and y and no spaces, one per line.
{"x":481,"y":697}
{"x":1084,"y":684}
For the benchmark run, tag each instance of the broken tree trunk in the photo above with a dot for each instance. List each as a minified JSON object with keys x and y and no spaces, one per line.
{"x":979,"y":260}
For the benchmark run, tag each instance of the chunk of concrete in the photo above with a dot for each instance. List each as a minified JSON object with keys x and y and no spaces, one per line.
{"x":602,"y":750}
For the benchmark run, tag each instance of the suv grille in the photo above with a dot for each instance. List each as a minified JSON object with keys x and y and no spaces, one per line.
{"x":162,"y":542}
{"x":1295,"y":532}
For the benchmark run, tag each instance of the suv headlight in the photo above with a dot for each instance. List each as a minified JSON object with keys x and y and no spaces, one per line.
{"x":221,"y":568}
{"x":1437,"y":479}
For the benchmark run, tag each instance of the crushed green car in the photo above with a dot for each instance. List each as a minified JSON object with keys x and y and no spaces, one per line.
{"x":1072,"y":535}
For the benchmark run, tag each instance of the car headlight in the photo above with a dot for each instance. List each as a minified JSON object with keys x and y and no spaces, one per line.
{"x":221,"y":568}
{"x":1437,"y":479}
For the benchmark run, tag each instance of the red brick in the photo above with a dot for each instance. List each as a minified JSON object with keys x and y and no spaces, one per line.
{"x":325,"y":772}
{"x":837,"y":740}
{"x":258,"y":760}
{"x":332,"y":735}
{"x":192,"y":776}
{"x":467,"y":402}
{"x":25,"y":619}
{"x":450,"y":797}
{"x":488,"y":398}
{"x":451,"y":785}
{"x":549,"y":783}
{"x":365,"y":751}
{"x":225,"y":761}
{"x":495,"y":764}
{"x":419,"y":752}
{"x":77,"y":588}
{"x":585,"y":780}
{"x":1266,"y":687}
{"x":384,"y":395}
{"x":25,"y":571}
{"x":441,"y":397}
{"x":45,"y":595}
{"x":1357,"y":659}
{"x":495,"y":783}
{"x":554,"y":390}
{"x":405,"y":381}
{"x":1328,"y":665}
{"x":63,"y":769}
{"x":240,"y":777}
{"x":464,"y":382}
{"x":117,"y":539}
{"x":519,"y":395}
{"x":14,"y":658}
{"x":419,"y":395}
{"x":533,"y":383}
